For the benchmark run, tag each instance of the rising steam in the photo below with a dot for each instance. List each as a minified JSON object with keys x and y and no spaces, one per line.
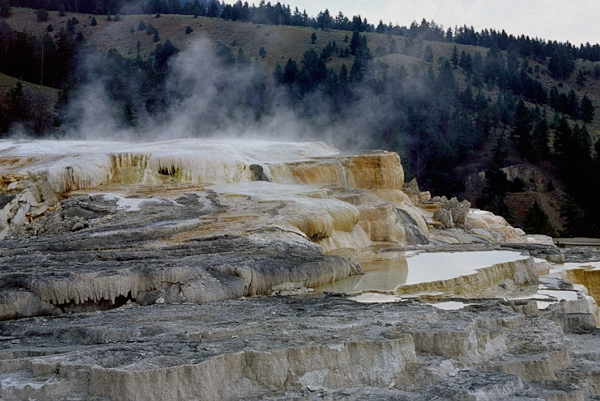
{"x":206,"y":98}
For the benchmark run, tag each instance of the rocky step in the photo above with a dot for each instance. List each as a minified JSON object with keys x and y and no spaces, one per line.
{"x":554,"y":390}
{"x":314,"y":347}
{"x":534,"y":366}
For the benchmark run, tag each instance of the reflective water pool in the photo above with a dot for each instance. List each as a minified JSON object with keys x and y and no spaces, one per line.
{"x":393,"y":269}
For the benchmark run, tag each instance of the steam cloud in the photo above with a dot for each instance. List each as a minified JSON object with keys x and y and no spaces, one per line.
{"x":204,"y":101}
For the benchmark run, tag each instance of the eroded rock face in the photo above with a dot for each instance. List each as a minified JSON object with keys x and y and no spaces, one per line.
{"x":92,"y":225}
{"x":532,"y":178}
{"x":36,"y":176}
{"x":453,"y":213}
{"x":91,"y":252}
{"x":298,"y":348}
{"x":131,"y":272}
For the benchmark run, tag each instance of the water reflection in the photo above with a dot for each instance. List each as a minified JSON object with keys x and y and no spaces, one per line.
{"x":393,"y":269}
{"x":383,"y":274}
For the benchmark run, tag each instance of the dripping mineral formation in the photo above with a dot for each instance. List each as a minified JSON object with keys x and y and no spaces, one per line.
{"x":198,"y":269}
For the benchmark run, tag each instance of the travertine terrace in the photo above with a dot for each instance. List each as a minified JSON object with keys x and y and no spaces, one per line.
{"x":191,"y":269}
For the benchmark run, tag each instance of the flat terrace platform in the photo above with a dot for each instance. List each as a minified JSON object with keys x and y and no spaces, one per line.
{"x":578,"y":241}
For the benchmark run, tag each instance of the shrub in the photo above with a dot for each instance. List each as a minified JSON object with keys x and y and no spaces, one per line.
{"x":42,"y":15}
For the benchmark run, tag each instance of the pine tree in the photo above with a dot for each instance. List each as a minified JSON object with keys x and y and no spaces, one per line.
{"x":466,"y":62}
{"x":561,"y":64}
{"x":354,"y":42}
{"x":574,"y":216}
{"x":573,"y":105}
{"x":290,"y":72}
{"x":16,"y":103}
{"x":278,"y":74}
{"x":539,"y":141}
{"x":536,"y":221}
{"x":428,"y":54}
{"x":580,"y":80}
{"x":42,"y":15}
{"x":494,"y":192}
{"x":343,"y":73}
{"x":521,"y":131}
{"x":213,"y":9}
{"x":563,"y":138}
{"x":5,"y":9}
{"x":70,"y":26}
{"x":500,"y":151}
{"x":242,"y":60}
{"x":586,"y":109}
{"x":454,"y":59}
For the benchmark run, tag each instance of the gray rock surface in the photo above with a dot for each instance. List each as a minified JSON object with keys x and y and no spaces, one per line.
{"x":453,"y":213}
{"x":298,"y":348}
{"x":89,"y":254}
{"x":149,"y":273}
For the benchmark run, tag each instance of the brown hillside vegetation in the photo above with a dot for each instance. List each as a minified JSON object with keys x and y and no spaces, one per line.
{"x":283,"y":42}
{"x":7,"y":82}
{"x":279,"y":42}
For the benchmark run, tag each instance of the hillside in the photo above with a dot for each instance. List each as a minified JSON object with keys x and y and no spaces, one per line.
{"x":279,"y":42}
{"x":402,"y":80}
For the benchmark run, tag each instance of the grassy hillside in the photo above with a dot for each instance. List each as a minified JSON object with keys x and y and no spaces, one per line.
{"x":279,"y":42}
{"x":7,"y":82}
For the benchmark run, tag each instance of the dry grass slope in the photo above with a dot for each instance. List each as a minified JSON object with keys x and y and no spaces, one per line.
{"x":280,"y":43}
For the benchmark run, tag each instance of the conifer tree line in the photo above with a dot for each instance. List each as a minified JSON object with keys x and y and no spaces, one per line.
{"x":47,"y":60}
{"x":281,"y":14}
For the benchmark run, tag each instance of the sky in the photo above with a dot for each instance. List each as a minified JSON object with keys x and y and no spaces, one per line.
{"x":576,"y":21}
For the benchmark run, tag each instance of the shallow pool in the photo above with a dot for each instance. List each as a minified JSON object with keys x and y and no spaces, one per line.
{"x":393,"y":269}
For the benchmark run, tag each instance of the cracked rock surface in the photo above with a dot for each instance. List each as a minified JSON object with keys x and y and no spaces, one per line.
{"x":148,"y":272}
{"x":165,"y":252}
{"x":298,"y":348}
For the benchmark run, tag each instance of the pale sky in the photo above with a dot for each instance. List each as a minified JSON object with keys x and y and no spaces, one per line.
{"x":576,"y":21}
